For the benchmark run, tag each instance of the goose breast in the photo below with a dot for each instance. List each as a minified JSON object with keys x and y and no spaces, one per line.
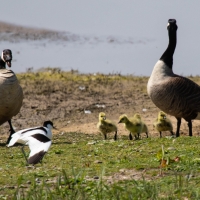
{"x":11,"y":95}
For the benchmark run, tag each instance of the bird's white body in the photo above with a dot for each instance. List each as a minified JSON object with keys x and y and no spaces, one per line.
{"x":38,"y":139}
{"x":22,"y":136}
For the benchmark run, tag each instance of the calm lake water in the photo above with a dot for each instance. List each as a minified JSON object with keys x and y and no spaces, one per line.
{"x":138,"y":28}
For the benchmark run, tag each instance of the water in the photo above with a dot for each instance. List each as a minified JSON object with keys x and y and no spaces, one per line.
{"x":142,"y":23}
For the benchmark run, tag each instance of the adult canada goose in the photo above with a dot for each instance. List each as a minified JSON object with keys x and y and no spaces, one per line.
{"x":106,"y":126}
{"x":162,"y":123}
{"x":133,"y":125}
{"x":38,"y":139}
{"x":11,"y":95}
{"x":174,"y":94}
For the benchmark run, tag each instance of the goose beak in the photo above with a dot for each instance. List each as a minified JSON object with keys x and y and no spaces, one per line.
{"x":8,"y":63}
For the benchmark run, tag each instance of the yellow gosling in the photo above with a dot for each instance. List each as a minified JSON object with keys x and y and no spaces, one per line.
{"x":162,"y":123}
{"x":106,"y":126}
{"x":134,"y":125}
{"x":145,"y":128}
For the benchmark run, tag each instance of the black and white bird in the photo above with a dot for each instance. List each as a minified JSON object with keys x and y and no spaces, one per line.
{"x":175,"y":95}
{"x":37,"y":138}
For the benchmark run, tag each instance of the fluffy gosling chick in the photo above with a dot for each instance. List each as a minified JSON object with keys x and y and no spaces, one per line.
{"x":106,"y":126}
{"x":134,"y":125}
{"x":145,"y":128}
{"x":162,"y":123}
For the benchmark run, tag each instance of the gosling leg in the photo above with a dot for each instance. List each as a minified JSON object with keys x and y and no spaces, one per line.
{"x":130,"y":136}
{"x":160,"y":134}
{"x":115,"y":136}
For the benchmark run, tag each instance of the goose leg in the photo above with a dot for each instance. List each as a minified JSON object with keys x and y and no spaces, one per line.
{"x":12,"y":131}
{"x":130,"y":136}
{"x":190,"y":127}
{"x":24,"y":153}
{"x":115,"y":136}
{"x":178,"y":127}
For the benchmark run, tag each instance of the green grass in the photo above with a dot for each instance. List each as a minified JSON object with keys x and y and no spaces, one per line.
{"x":78,"y":165}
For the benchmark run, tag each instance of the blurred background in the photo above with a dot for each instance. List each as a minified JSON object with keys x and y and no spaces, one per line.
{"x":106,"y":36}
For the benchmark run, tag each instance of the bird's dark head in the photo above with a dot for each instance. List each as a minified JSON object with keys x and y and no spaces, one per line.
{"x":48,"y":123}
{"x":6,"y":56}
{"x":171,"y":26}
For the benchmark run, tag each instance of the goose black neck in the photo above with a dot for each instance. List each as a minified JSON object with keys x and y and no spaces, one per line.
{"x":167,"y":56}
{"x":2,"y":64}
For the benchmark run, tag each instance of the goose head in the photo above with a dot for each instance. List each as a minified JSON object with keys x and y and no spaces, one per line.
{"x":171,"y":26}
{"x":6,"y":56}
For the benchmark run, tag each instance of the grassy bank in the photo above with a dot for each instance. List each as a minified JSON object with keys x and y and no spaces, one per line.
{"x":80,"y":164}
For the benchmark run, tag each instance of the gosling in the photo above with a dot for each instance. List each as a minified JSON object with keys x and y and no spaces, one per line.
{"x":134,"y":125}
{"x":145,"y":128}
{"x":162,"y":123}
{"x":106,"y":126}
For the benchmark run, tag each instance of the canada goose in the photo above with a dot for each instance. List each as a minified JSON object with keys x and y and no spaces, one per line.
{"x":134,"y":125}
{"x":10,"y":91}
{"x":38,"y":139}
{"x":106,"y":126}
{"x":145,"y":128}
{"x":162,"y":123}
{"x":174,"y":94}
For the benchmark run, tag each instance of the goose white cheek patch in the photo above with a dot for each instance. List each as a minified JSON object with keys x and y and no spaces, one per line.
{"x":2,"y":57}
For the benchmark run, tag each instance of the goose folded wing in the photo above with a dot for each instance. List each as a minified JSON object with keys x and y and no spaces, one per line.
{"x":189,"y":92}
{"x":39,"y":145}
